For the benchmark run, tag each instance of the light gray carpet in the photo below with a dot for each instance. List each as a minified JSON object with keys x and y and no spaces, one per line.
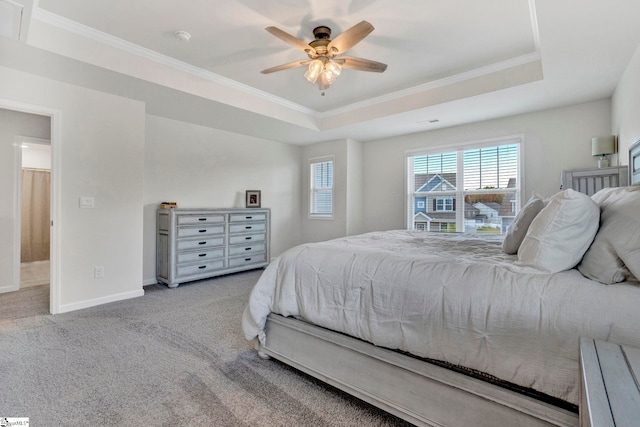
{"x":30,"y":301}
{"x":174,"y":357}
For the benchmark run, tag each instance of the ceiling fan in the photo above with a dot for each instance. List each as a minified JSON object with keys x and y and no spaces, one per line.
{"x":324,"y":64}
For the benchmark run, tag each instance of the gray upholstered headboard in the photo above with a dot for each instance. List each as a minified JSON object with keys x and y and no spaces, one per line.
{"x":634,"y":163}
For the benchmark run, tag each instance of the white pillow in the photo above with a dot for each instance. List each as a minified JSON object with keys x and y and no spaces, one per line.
{"x":518,"y":229}
{"x":561,"y":233}
{"x":614,"y":255}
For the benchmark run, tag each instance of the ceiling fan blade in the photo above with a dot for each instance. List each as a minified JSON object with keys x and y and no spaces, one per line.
{"x":349,"y":38}
{"x":285,"y":66}
{"x":293,"y":41}
{"x":361,"y":64}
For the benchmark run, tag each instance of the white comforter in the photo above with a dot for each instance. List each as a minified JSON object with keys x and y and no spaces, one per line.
{"x":451,"y":297}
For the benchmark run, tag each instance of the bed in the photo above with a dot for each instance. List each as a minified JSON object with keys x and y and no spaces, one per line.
{"x":454,"y":329}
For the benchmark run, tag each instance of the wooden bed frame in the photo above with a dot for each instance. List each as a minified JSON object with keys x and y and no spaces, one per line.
{"x":412,"y":389}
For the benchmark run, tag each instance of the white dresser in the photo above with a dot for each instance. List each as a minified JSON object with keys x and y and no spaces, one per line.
{"x":194,"y":244}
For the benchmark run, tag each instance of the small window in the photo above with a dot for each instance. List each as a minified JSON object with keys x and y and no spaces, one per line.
{"x":321,"y":188}
{"x":444,"y":204}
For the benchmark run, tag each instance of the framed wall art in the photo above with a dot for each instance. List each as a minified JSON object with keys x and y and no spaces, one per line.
{"x":253,"y":199}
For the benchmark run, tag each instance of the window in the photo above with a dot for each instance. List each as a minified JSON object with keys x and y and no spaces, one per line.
{"x":444,"y":204}
{"x":475,"y":189}
{"x":321,"y":188}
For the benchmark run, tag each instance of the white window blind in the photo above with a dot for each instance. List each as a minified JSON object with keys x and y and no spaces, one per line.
{"x":321,"y":188}
{"x":473,"y":189}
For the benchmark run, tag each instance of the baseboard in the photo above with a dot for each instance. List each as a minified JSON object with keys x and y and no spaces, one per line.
{"x":9,"y":288}
{"x":147,"y":282}
{"x":99,"y":301}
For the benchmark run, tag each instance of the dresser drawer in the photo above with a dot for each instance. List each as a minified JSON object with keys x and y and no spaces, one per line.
{"x":203,"y":268}
{"x":204,"y":255}
{"x":199,"y":219}
{"x":246,"y":249}
{"x":247,"y":238}
{"x":247,"y":227}
{"x":247,"y":260}
{"x":200,"y":231}
{"x":204,"y":242}
{"x":248,"y":217}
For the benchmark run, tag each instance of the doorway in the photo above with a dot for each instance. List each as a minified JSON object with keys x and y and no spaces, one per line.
{"x":35,"y":206}
{"x":42,"y":126}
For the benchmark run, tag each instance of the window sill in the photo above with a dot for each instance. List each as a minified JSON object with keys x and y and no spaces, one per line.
{"x":321,"y":217}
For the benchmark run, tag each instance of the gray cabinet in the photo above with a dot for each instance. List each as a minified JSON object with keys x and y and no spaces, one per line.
{"x":194,"y":244}
{"x":590,"y":181}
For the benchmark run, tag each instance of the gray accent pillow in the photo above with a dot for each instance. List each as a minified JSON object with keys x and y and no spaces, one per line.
{"x":614,"y":255}
{"x":518,"y":229}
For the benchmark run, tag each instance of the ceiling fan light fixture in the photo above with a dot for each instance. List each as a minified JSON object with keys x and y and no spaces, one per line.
{"x":315,"y":68}
{"x":324,"y":66}
{"x":332,"y":68}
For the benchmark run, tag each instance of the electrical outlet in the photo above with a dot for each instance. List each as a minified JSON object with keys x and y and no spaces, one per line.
{"x":98,"y":272}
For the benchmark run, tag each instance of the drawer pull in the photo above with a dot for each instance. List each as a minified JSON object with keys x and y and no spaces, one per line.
{"x":202,"y":267}
{"x":202,"y":231}
{"x":202,"y":255}
{"x":247,"y":249}
{"x":202,"y":243}
{"x":248,"y":227}
{"x":202,"y":219}
{"x":247,"y":238}
{"x":247,"y":259}
{"x":248,"y":217}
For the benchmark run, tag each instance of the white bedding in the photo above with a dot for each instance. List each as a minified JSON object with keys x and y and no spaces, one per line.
{"x":451,"y":297}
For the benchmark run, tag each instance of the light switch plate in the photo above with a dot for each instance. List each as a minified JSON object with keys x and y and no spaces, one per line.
{"x":86,"y":202}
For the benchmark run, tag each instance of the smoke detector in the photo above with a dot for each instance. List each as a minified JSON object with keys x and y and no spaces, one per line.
{"x":183,"y":36}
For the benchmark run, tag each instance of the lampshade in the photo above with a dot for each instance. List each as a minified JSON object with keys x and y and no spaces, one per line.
{"x":603,"y":145}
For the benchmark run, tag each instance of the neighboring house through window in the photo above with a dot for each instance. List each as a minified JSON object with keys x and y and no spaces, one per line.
{"x":474,"y":188}
{"x":321,"y":187}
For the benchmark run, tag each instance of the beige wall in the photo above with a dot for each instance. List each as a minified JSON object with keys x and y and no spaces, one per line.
{"x":318,"y":229}
{"x":100,"y":149}
{"x":200,"y":167}
{"x":370,"y":177}
{"x":354,"y":188}
{"x":626,"y":108}
{"x":554,"y":140}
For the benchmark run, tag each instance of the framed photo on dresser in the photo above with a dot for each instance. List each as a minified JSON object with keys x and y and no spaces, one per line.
{"x":253,"y":199}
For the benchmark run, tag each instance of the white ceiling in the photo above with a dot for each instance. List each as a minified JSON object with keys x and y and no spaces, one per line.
{"x":456,"y":61}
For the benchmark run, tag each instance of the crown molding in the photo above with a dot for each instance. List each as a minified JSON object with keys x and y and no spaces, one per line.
{"x":446,"y":81}
{"x":121,"y":44}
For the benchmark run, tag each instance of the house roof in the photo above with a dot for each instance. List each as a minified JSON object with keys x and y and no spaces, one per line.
{"x":430,"y":182}
{"x":436,"y":182}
